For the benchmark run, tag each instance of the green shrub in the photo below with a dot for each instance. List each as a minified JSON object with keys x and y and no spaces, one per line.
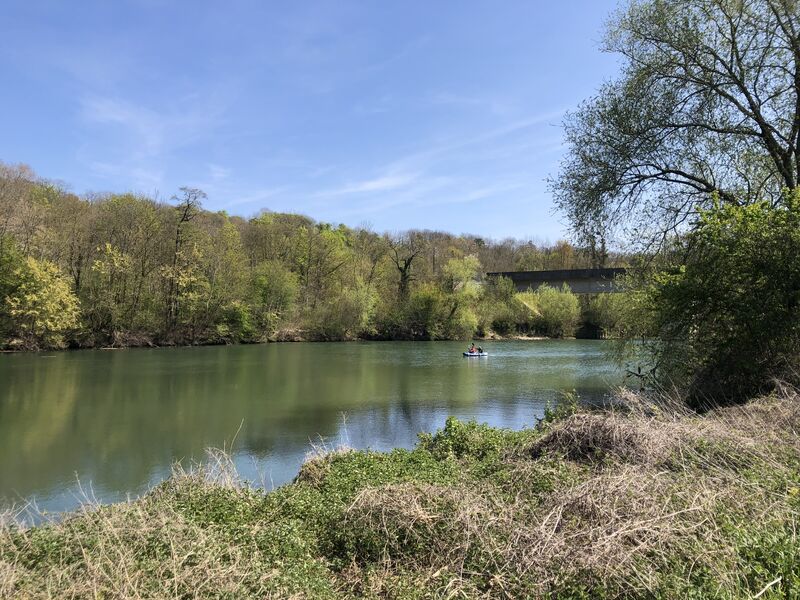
{"x":559,"y":311}
{"x":236,"y":324}
{"x":729,"y":318}
{"x":459,"y":439}
{"x":425,"y":313}
{"x":344,"y":316}
{"x":41,"y":304}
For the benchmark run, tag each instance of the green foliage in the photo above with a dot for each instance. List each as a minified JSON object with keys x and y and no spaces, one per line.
{"x":729,"y":318}
{"x":147,"y":272}
{"x":275,"y":290}
{"x":568,"y":404}
{"x":236,"y":323}
{"x":10,"y":261}
{"x":41,"y":304}
{"x":558,"y":311}
{"x":345,"y":316}
{"x":688,"y":115}
{"x":110,"y":278}
{"x":459,"y":439}
{"x":625,"y":316}
{"x":499,"y":290}
{"x":425,"y":313}
{"x":458,"y":272}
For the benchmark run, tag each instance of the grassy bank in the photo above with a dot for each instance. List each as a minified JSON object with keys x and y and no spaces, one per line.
{"x":639,"y":502}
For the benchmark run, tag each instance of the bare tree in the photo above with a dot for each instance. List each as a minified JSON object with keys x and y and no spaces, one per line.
{"x":404,"y":249}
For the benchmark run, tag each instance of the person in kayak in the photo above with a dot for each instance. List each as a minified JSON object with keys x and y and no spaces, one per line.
{"x":472,"y":349}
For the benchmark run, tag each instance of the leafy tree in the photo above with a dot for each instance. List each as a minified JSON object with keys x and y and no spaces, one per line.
{"x":558,"y":311}
{"x":224,"y":264}
{"x":10,"y":261}
{"x":151,"y":272}
{"x":708,"y":102}
{"x":460,"y":272}
{"x":729,"y":317}
{"x":236,"y":323}
{"x":346,"y":316}
{"x":621,"y":314}
{"x":41,"y":305}
{"x":189,"y":206}
{"x":322,"y":259}
{"x":275,"y":289}
{"x":108,"y":291}
{"x":425,"y":313}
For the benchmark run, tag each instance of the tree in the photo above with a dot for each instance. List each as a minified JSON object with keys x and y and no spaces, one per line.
{"x":459,"y":272}
{"x":108,"y":291}
{"x":42,"y":306}
{"x":708,"y":101}
{"x":324,"y":254}
{"x":729,"y":317}
{"x":275,"y":289}
{"x":404,"y":250}
{"x":189,"y":206}
{"x":558,"y":311}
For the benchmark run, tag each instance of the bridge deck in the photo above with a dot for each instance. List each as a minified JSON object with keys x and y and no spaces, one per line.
{"x":580,"y":281}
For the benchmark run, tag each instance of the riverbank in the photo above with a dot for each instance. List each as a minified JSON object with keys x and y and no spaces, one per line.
{"x":647,"y":501}
{"x":283,"y":336}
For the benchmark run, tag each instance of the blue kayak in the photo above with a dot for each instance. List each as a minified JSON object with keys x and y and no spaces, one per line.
{"x":471,"y":354}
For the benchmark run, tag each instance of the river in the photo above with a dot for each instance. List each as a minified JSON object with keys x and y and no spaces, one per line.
{"x":110,"y":424}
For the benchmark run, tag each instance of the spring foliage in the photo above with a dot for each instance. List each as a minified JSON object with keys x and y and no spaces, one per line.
{"x":123,"y":269}
{"x":41,"y":304}
{"x":729,"y":315}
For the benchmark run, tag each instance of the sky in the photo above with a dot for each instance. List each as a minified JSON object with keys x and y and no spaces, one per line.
{"x":395,"y":115}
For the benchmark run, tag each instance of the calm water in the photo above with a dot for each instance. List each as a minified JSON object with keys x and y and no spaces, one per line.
{"x":115,"y":421}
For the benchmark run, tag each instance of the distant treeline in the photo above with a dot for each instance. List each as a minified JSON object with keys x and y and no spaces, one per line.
{"x":126,"y":269}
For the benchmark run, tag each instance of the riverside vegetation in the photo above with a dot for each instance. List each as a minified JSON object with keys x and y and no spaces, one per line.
{"x":123,"y":269}
{"x":648,"y":500}
{"x":695,"y":152}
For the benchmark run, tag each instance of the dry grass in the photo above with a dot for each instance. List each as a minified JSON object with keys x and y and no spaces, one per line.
{"x":318,"y":463}
{"x":659,"y":489}
{"x":646,"y":500}
{"x":119,"y":563}
{"x":144,"y":549}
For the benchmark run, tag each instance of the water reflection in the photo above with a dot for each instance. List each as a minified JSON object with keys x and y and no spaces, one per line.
{"x":119,"y":419}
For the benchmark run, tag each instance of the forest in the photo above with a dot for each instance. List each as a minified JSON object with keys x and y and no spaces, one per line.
{"x":129,"y":270}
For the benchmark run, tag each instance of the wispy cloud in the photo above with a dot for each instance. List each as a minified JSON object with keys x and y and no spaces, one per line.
{"x":382,"y":183}
{"x":151,"y":131}
{"x":146,"y":126}
{"x":448,"y":147}
{"x":134,"y":143}
{"x":496,"y":105}
{"x":494,"y":164}
{"x":218,"y":172}
{"x":140,"y":178}
{"x":256,"y":197}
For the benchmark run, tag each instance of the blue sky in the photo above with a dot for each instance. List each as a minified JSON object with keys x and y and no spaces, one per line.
{"x":430,"y":115}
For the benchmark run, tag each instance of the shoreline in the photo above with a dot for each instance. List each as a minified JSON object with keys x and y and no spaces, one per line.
{"x":662,"y":502}
{"x":282,"y":340}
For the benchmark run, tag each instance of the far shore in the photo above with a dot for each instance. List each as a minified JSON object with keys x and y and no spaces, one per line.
{"x":293,"y":337}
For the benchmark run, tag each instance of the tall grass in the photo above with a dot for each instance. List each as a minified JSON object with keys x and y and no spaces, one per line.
{"x":645,"y":500}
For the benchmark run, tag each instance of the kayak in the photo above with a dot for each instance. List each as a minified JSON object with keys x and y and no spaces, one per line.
{"x":471,"y":354}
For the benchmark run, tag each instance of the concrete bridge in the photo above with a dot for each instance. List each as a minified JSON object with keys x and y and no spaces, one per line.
{"x":580,"y":281}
